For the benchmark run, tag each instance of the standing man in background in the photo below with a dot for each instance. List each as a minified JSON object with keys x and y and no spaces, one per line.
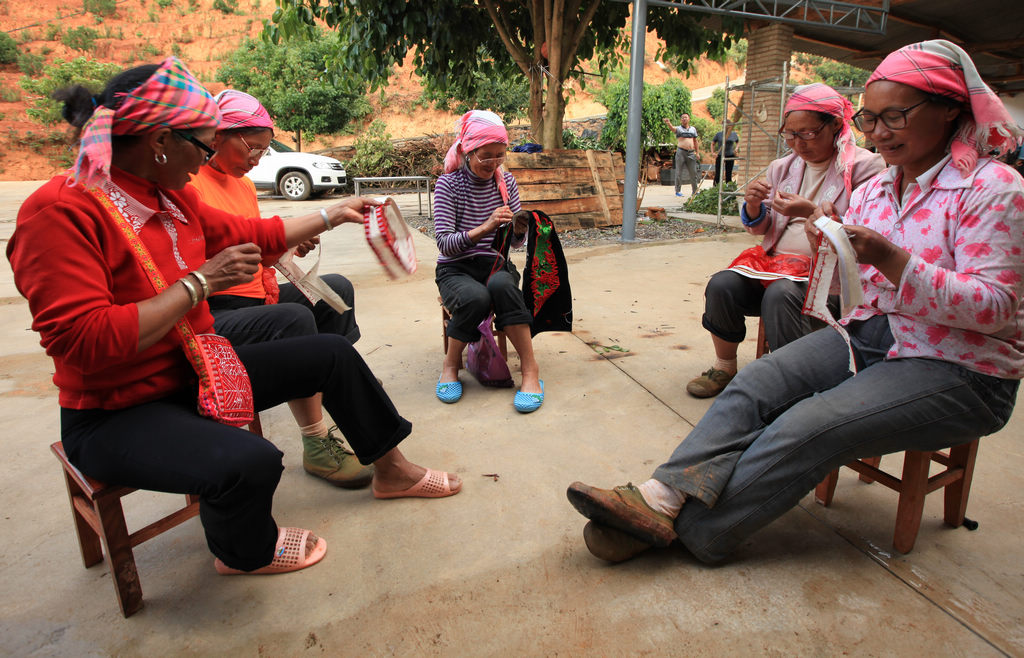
{"x":687,"y":152}
{"x":729,"y":139}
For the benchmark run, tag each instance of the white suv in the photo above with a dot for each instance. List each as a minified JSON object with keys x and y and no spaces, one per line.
{"x":296,"y":175}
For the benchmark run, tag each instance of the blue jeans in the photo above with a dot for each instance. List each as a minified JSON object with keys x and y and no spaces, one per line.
{"x":791,"y":417}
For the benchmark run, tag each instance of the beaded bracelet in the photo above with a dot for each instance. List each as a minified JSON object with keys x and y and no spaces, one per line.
{"x":201,"y":278}
{"x":193,"y":294}
{"x":327,"y":220}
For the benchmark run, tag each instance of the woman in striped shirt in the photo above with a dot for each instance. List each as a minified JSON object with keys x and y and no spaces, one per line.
{"x":472,"y":200}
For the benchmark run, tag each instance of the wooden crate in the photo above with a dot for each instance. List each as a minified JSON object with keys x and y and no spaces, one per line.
{"x":577,"y":189}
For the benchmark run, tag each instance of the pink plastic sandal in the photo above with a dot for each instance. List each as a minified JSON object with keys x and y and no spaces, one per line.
{"x":433,"y":484}
{"x":289,"y":555}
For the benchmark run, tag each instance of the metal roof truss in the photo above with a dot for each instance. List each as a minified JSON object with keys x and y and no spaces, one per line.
{"x":833,"y":13}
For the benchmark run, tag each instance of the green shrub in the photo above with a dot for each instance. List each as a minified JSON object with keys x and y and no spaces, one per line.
{"x":8,"y":49}
{"x":670,"y":99}
{"x":80,"y":38}
{"x":706,"y":201}
{"x":226,"y":6}
{"x":374,"y":152}
{"x":10,"y":94}
{"x":573,"y":141}
{"x":30,"y":64}
{"x":53,"y":32}
{"x":100,"y":7}
{"x":716,"y":104}
{"x":81,"y":70}
{"x":164,"y":4}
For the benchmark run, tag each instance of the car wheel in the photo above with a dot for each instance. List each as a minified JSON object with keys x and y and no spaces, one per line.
{"x":295,"y":186}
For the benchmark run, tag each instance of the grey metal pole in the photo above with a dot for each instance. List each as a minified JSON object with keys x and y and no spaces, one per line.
{"x":633,"y":120}
{"x":720,"y":156}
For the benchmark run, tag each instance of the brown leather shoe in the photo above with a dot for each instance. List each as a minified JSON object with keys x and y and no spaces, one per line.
{"x":709,"y":384}
{"x":610,"y":544}
{"x":624,"y":509}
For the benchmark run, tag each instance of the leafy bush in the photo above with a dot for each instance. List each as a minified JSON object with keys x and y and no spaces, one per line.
{"x":53,"y":32}
{"x":573,"y":141}
{"x":81,"y":70}
{"x":30,"y":64}
{"x":507,"y":96}
{"x":226,"y":6}
{"x":80,"y":38}
{"x":716,"y":104}
{"x":8,"y":49}
{"x":706,"y":201}
{"x":100,"y":7}
{"x":670,"y":99}
{"x":9,"y":94}
{"x":706,"y":130}
{"x":374,"y":152}
{"x":164,"y":4}
{"x":833,"y":73}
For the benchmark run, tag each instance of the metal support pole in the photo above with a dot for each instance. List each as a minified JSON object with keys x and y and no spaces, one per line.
{"x":633,"y":120}
{"x":783,"y":93}
{"x":720,"y":156}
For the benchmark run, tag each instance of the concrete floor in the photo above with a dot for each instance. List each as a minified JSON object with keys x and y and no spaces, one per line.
{"x":501,"y":569}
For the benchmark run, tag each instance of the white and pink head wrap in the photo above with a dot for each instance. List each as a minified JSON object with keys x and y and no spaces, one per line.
{"x":819,"y":97}
{"x":240,"y":110}
{"x":477,"y":128}
{"x":942,"y":68}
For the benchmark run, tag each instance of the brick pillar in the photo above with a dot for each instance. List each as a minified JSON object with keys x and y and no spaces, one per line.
{"x":767,"y":49}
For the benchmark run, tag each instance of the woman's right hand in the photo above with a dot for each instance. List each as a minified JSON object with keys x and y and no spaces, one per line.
{"x":755,"y":195}
{"x":232,"y":266}
{"x":502,"y":215}
{"x":826,"y":209}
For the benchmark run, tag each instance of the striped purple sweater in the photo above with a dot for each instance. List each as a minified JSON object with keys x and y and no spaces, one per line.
{"x":463,"y":201}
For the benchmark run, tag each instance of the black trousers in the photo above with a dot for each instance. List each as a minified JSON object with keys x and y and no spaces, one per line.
{"x":729,"y":162}
{"x":165,"y":445}
{"x":468,"y":294}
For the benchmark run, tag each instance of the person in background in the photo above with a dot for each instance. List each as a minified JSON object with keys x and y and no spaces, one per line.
{"x":687,"y":152}
{"x":724,"y":142}
{"x":259,"y":310}
{"x":770,"y":280}
{"x":937,"y":340}
{"x":472,"y":200}
{"x":127,"y":391}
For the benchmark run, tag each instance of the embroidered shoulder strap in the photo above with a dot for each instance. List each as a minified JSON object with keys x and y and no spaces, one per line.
{"x":188,"y":337}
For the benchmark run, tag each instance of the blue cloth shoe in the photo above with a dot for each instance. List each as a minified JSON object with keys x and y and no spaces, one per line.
{"x":527,"y":402}
{"x":449,"y":392}
{"x":679,"y":194}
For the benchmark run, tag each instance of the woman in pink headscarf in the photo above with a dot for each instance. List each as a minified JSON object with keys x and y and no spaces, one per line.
{"x":770,"y":280}
{"x":472,"y":200}
{"x":937,"y":341}
{"x":117,"y":259}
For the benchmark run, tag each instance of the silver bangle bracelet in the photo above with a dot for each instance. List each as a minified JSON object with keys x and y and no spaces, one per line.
{"x":201,"y":278}
{"x":327,"y":220}
{"x":193,"y":294}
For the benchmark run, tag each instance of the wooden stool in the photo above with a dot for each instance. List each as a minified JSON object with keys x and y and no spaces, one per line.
{"x":98,"y":515}
{"x":915,"y":485}
{"x":446,"y":316}
{"x":762,"y":342}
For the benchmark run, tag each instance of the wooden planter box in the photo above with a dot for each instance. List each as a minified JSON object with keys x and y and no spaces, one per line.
{"x":577,"y":189}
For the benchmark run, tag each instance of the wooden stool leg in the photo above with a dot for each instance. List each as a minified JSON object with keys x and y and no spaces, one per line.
{"x":119,"y":551}
{"x":762,"y":342}
{"x":88,"y":540}
{"x":826,"y":489}
{"x":956,"y":493}
{"x":870,"y":461}
{"x":913,"y":490}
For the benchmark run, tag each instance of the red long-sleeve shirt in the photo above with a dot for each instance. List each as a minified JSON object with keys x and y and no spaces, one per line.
{"x":82,"y":282}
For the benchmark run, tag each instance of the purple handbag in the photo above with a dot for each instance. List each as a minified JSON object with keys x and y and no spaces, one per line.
{"x":485,"y":362}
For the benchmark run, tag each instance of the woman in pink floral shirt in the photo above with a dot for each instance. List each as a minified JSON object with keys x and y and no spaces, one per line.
{"x":938,"y":340}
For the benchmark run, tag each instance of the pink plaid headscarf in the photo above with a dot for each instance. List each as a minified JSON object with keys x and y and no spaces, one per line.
{"x":819,"y":97}
{"x":943,"y":68}
{"x":171,"y":97}
{"x":240,"y":110}
{"x":477,"y":128}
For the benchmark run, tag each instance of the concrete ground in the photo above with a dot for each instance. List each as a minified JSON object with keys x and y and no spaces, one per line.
{"x":501,"y":569}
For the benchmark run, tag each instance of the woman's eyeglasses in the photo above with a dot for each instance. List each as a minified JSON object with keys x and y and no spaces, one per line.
{"x":806,"y":135}
{"x":490,"y":161}
{"x":254,"y":153}
{"x":893,"y":119}
{"x":205,"y":149}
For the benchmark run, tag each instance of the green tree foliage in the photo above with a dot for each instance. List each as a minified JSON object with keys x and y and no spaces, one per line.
{"x":8,"y":49}
{"x":31,"y":64}
{"x":670,"y":99}
{"x":100,"y":7}
{"x":80,"y":38}
{"x":375,"y":152}
{"x":716,"y":104}
{"x":544,"y":42}
{"x":293,"y":85}
{"x":508,"y":96}
{"x":81,"y":70}
{"x":833,"y":73}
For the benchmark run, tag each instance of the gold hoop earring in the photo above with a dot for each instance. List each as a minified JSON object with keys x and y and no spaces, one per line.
{"x":160,"y":158}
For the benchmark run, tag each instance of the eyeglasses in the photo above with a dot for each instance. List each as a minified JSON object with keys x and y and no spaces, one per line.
{"x":806,"y":135}
{"x":893,"y":119}
{"x":205,"y":149}
{"x":254,"y":153}
{"x":490,"y":161}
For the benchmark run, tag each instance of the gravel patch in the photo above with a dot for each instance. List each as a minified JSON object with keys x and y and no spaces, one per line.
{"x":646,"y":231}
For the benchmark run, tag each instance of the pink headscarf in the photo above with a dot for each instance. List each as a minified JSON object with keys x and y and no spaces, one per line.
{"x":477,"y":128}
{"x":240,"y":110}
{"x":171,"y":97}
{"x":819,"y":97}
{"x":944,"y":69}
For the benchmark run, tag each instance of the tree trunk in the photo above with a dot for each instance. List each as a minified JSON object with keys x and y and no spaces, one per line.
{"x":537,"y":106}
{"x":298,"y":140}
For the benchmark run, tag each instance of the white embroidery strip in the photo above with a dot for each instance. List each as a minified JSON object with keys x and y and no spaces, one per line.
{"x":309,"y":283}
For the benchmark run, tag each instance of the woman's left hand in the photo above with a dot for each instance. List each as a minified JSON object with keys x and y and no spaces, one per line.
{"x":792,"y":205}
{"x":521,"y":222}
{"x":872,"y":248}
{"x":350,"y":210}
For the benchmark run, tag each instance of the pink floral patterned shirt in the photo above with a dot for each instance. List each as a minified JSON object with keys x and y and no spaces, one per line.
{"x":959,"y":299}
